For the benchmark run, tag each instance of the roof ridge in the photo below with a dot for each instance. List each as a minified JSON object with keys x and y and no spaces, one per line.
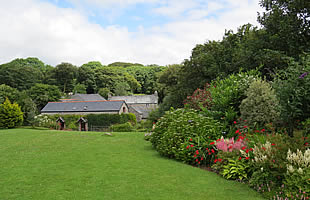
{"x":84,"y":101}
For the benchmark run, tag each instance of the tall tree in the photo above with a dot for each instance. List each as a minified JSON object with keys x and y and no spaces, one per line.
{"x":64,"y":74}
{"x":22,"y":73}
{"x":41,"y":94}
{"x":287,"y":23}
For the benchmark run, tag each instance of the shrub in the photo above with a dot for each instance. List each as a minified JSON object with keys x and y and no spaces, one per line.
{"x":181,"y":128}
{"x":297,"y":177}
{"x":236,"y":169}
{"x":292,"y":86}
{"x":261,"y":105}
{"x":46,"y":121}
{"x":126,"y":127}
{"x":10,"y":115}
{"x":73,"y":126}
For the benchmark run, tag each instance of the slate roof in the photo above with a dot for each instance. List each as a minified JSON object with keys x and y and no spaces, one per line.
{"x":137,"y":99}
{"x":83,"y":106}
{"x":87,"y":97}
{"x":142,"y":109}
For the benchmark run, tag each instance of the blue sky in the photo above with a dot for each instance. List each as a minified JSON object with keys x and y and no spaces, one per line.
{"x":144,"y":31}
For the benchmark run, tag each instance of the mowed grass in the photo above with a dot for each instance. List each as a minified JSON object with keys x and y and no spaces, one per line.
{"x":43,"y":164}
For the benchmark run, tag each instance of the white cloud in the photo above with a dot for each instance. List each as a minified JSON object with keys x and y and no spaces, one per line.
{"x":55,"y":35}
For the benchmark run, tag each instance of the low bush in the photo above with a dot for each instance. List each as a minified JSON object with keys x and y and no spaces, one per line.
{"x":261,"y":105}
{"x":10,"y":115}
{"x":180,"y":133}
{"x":126,"y":127}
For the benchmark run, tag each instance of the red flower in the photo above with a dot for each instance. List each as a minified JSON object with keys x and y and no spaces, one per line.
{"x":256,"y":131}
{"x":218,"y":140}
{"x":212,"y":150}
{"x":191,"y":139}
{"x":209,"y":153}
{"x":243,"y":148}
{"x":264,"y":148}
{"x":196,"y":160}
{"x":197,"y":152}
{"x":198,"y":163}
{"x":229,"y":147}
{"x":273,"y":144}
{"x":207,"y":149}
{"x":237,"y":131}
{"x":245,"y":127}
{"x":306,"y":143}
{"x":263,"y":130}
{"x":251,"y":149}
{"x":211,"y":143}
{"x":194,"y":156}
{"x":220,"y":160}
{"x":192,"y":145}
{"x":215,"y":160}
{"x":247,"y":158}
{"x":235,"y":122}
{"x":187,"y":147}
{"x":247,"y":151}
{"x":240,"y":158}
{"x":201,"y":158}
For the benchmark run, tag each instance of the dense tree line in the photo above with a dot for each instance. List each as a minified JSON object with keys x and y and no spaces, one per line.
{"x":31,"y":83}
{"x":283,"y":38}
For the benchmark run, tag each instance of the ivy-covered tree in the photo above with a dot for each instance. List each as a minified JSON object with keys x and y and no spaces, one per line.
{"x":10,"y":115}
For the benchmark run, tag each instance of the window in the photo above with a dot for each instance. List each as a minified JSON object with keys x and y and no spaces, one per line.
{"x":124,"y":109}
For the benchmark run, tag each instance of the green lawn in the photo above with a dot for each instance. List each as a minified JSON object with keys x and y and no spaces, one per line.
{"x":43,"y":164}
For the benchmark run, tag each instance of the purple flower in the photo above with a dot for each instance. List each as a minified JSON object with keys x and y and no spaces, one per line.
{"x":303,"y":75}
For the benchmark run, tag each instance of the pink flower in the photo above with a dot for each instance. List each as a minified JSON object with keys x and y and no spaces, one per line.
{"x":235,"y":122}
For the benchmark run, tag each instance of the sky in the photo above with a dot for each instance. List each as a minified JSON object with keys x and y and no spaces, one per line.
{"x":159,"y":32}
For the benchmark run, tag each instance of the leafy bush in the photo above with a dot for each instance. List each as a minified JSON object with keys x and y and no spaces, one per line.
{"x":126,"y":127}
{"x":292,"y":86}
{"x":73,"y":126}
{"x":46,"y":121}
{"x":181,"y":128}
{"x":261,"y":105}
{"x":10,"y":115}
{"x":236,"y":169}
{"x":128,"y":117}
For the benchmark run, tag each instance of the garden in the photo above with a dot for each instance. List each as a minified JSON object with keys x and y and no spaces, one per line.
{"x":246,"y":129}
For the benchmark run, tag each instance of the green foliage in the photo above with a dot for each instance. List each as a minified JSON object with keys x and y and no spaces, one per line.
{"x":287,"y":25}
{"x":10,"y":115}
{"x":8,"y":92}
{"x":236,"y":169}
{"x":79,"y":88}
{"x":293,"y":89}
{"x":104,"y":92}
{"x":227,"y":94}
{"x":73,"y":126}
{"x":63,"y":76}
{"x":121,"y":89}
{"x":21,"y":73}
{"x":41,"y":94}
{"x":126,"y":127}
{"x":297,"y":177}
{"x":173,"y":131}
{"x":128,"y":117}
{"x":109,"y":119}
{"x":261,"y":105}
{"x":86,"y":76}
